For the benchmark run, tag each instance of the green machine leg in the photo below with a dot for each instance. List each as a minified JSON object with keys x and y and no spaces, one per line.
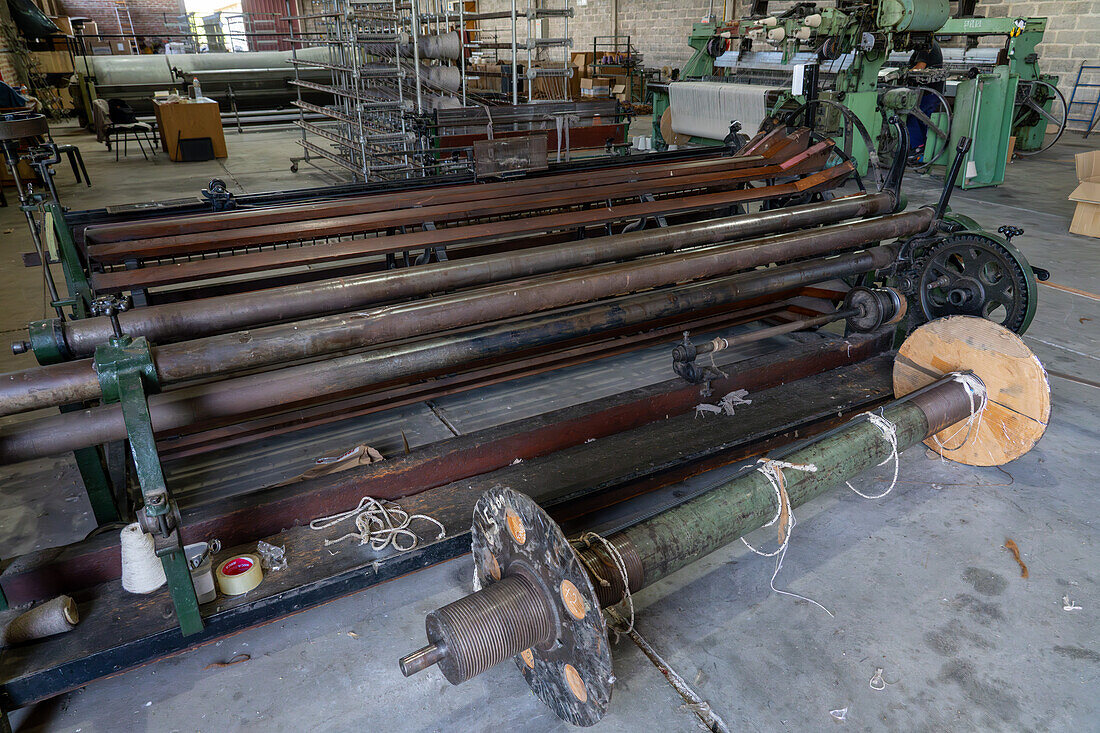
{"x":97,"y":485}
{"x":125,"y":368}
{"x":80,"y":291}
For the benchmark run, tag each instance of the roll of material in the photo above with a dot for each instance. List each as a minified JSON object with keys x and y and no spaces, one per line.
{"x":813,"y":21}
{"x":239,"y":574}
{"x":777,"y":34}
{"x":443,"y":77}
{"x":442,"y":46}
{"x":142,"y":571}
{"x":47,"y":619}
{"x":706,"y":108}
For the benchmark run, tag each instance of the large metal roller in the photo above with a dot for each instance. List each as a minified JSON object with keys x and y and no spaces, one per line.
{"x":77,"y":381}
{"x":313,"y":382}
{"x":173,"y":322}
{"x":531,"y":581}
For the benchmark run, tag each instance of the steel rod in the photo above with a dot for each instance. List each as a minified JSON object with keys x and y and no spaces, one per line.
{"x":77,"y":381}
{"x":173,"y":322}
{"x":309,"y":383}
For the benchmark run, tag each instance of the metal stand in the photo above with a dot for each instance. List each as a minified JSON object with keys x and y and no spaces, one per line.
{"x":125,"y":368}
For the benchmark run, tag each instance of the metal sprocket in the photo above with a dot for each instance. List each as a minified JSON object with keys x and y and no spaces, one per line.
{"x":975,"y":275}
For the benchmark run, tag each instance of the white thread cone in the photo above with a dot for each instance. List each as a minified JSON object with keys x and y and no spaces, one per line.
{"x":142,"y":571}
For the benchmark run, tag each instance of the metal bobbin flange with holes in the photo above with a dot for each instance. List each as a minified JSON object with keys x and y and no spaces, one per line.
{"x":534,"y":602}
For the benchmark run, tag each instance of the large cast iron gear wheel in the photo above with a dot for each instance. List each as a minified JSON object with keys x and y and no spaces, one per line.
{"x":975,"y":275}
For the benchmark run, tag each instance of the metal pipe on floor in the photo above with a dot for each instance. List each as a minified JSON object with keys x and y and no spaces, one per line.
{"x":174,"y":322}
{"x":317,"y":381}
{"x":77,"y":381}
{"x":655,"y":548}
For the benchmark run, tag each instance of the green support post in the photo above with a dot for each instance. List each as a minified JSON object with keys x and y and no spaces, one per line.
{"x":80,"y":290}
{"x":125,"y":367}
{"x":97,"y":484}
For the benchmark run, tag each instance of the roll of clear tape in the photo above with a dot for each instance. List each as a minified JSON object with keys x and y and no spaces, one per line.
{"x":239,"y":574}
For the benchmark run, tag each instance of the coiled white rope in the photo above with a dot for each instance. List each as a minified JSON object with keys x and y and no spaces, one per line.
{"x":772,"y":471}
{"x":379,"y":523}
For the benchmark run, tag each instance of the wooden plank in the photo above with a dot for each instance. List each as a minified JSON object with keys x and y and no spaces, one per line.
{"x":669,"y":451}
{"x":174,"y":273}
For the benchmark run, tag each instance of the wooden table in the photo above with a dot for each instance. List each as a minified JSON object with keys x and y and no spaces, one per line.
{"x":187,"y":119}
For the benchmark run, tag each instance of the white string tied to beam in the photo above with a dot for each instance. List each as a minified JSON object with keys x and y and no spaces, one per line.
{"x":979,"y":398}
{"x":772,"y":470}
{"x":890,"y":435}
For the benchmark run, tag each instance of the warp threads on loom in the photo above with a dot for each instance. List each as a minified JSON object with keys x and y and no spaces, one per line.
{"x":707,"y":108}
{"x":142,"y":571}
{"x":47,"y":619}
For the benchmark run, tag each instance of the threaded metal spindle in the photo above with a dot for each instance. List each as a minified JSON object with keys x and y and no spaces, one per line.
{"x":487,"y":627}
{"x":595,"y":557}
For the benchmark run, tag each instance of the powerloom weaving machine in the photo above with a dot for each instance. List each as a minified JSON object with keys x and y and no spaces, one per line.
{"x":849,"y":64}
{"x":239,"y":369}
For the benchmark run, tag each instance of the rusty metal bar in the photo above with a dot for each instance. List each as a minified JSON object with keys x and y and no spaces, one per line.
{"x":267,"y":261}
{"x":173,"y":322}
{"x":316,"y":381}
{"x":77,"y":381}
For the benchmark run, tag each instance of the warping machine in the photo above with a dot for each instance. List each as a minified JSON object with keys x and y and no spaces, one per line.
{"x":237,"y":369}
{"x":850,"y":64}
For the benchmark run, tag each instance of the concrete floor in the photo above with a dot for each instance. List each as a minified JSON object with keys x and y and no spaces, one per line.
{"x":918,"y":582}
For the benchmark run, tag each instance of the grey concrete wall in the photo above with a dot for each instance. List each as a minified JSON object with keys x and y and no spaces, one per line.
{"x":659,"y":28}
{"x":1072,"y":36}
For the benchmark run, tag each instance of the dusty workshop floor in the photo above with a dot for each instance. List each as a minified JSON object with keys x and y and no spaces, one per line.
{"x":918,"y":582}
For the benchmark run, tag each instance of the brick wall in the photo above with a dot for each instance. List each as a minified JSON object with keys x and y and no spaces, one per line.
{"x":1072,"y":35}
{"x":147,"y":15}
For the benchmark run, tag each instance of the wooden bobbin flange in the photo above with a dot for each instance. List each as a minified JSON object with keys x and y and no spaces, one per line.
{"x":1018,"y":390}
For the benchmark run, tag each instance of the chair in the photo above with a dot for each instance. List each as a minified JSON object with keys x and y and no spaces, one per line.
{"x":118,"y":127}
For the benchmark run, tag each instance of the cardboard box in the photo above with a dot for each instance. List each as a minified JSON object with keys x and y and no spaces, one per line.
{"x":1086,"y":218}
{"x":85,"y":27}
{"x":63,"y":23}
{"x":619,"y":92}
{"x":581,"y":61}
{"x":53,"y":62}
{"x":66,"y":98}
{"x":590,"y":87}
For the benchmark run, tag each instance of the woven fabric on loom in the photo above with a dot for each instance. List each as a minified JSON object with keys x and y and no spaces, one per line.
{"x":706,"y":108}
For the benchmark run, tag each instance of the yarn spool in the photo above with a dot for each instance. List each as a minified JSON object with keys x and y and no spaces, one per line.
{"x":47,"y":619}
{"x":442,"y":46}
{"x":142,"y":571}
{"x":443,"y":77}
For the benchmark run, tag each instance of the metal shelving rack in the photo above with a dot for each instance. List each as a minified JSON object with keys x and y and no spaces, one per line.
{"x":383,"y":82}
{"x":547,"y":49}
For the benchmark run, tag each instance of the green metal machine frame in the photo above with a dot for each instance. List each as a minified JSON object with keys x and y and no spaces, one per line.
{"x":985,"y":108}
{"x":126,"y":372}
{"x":1014,"y":100}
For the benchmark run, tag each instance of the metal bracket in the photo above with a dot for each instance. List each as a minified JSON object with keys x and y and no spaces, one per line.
{"x":125,"y":368}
